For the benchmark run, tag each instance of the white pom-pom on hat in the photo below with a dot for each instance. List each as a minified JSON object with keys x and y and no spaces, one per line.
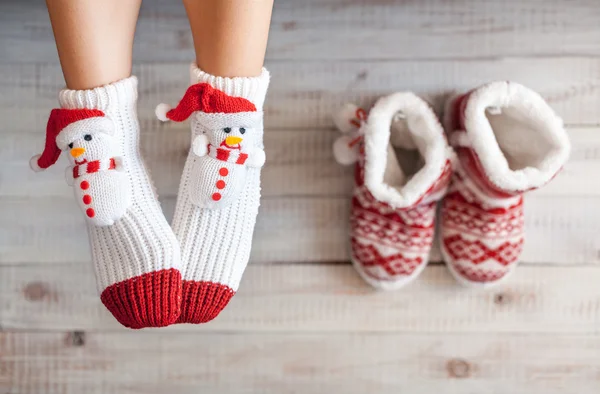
{"x":161,"y":111}
{"x":346,"y":119}
{"x":33,"y":163}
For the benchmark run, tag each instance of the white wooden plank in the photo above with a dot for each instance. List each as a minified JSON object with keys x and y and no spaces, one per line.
{"x":299,"y":163}
{"x":327,"y":331}
{"x":341,"y":29}
{"x":304,"y":94}
{"x":324,"y":297}
{"x":128,"y":363}
{"x":585,"y":156}
{"x":288,"y":230}
{"x":561,"y":230}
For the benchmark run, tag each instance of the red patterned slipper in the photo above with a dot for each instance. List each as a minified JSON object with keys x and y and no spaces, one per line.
{"x":508,"y":141}
{"x":403,"y":167}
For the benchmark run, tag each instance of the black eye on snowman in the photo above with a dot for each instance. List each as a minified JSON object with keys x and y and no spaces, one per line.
{"x":87,"y":137}
{"x":70,"y":145}
{"x":227,"y":129}
{"x":242,"y":130}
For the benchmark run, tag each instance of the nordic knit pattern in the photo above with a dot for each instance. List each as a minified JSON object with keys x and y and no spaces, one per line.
{"x":390,"y":247}
{"x":482,"y":236}
{"x":391,"y":240}
{"x":508,"y":141}
{"x":218,"y":197}
{"x":136,"y":259}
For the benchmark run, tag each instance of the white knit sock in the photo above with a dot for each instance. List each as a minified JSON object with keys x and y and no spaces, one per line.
{"x":219,"y":193}
{"x":135,"y":253}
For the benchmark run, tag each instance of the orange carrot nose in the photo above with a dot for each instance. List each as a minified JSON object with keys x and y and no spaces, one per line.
{"x":76,"y":152}
{"x":233,"y":140}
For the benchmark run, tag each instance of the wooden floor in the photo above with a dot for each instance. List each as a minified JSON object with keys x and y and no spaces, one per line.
{"x":303,"y":322}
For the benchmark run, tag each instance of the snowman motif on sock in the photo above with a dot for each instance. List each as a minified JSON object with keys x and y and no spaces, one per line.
{"x":96,"y":171}
{"x":227,"y":141}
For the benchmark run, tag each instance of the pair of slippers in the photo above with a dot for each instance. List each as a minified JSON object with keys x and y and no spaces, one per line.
{"x":497,"y":142}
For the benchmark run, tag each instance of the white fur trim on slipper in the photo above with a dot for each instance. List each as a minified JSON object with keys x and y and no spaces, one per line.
{"x":523,"y":145}
{"x":428,"y":136}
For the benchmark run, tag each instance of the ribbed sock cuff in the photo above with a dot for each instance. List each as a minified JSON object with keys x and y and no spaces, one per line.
{"x":115,"y":95}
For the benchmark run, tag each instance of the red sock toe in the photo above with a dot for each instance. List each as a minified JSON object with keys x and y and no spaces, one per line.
{"x":148,"y":300}
{"x":203,"y":301}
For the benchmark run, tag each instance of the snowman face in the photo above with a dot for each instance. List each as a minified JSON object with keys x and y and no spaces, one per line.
{"x":233,"y":138}
{"x":88,"y":140}
{"x":239,"y":131}
{"x":89,"y":146}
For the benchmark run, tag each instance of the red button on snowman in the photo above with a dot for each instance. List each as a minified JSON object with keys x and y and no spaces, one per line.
{"x":96,"y":171}
{"x":227,"y":143}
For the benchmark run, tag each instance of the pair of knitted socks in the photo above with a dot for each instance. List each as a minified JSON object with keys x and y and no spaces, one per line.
{"x":150,"y":274}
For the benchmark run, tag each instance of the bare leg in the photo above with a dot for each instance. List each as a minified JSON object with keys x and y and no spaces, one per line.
{"x":94,"y":39}
{"x":219,"y":196}
{"x":135,"y":254}
{"x":230,"y":36}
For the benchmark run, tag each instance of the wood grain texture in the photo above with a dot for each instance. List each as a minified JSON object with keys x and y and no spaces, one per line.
{"x":348,"y":29}
{"x":52,"y":230}
{"x":295,"y":229}
{"x":303,"y":95}
{"x":306,"y":192}
{"x":323,"y":297}
{"x":300,"y":163}
{"x":313,"y":327}
{"x":125,"y":363}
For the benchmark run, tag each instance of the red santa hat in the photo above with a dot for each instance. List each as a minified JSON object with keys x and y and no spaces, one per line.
{"x":59,"y":120}
{"x":203,"y":97}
